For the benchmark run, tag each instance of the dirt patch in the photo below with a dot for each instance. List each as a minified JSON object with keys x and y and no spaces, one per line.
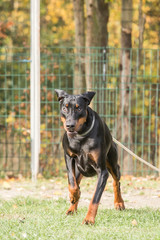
{"x":136,"y":192}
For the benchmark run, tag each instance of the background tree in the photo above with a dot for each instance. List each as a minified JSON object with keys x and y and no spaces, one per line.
{"x":96,"y":31}
{"x":97,"y":16}
{"x":125,"y":128}
{"x":79,"y":71}
{"x":141,"y":25}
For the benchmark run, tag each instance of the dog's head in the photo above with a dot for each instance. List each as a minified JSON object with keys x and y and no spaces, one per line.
{"x":73,"y":110}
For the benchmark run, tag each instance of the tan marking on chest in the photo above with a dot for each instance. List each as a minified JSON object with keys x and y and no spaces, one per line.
{"x":94,"y":155}
{"x":71,"y":154}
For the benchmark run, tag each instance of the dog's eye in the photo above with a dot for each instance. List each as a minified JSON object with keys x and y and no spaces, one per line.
{"x":64,"y":109}
{"x":78,"y":109}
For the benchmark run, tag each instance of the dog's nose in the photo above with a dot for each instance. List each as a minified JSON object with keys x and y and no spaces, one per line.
{"x":70,"y":124}
{"x":70,"y":127}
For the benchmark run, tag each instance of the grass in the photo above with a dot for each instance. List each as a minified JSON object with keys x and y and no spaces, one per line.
{"x":29,"y":218}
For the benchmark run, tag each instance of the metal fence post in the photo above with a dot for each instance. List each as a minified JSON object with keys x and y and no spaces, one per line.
{"x":35,"y":87}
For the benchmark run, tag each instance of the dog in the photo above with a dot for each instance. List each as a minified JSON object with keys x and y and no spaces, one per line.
{"x":89,"y":150}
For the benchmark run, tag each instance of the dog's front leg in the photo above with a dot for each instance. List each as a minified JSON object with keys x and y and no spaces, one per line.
{"x":74,"y":178}
{"x":93,"y":207}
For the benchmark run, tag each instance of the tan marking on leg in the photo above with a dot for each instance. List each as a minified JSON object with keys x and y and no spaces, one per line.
{"x":74,"y":194}
{"x":118,"y":200}
{"x":74,"y":197}
{"x":74,"y":191}
{"x":92,"y":212}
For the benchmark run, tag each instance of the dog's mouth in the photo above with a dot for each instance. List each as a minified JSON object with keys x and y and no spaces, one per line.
{"x":71,"y":133}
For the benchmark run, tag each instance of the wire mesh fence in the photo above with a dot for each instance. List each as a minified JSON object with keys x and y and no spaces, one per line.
{"x":137,"y":116}
{"x":14,"y":110}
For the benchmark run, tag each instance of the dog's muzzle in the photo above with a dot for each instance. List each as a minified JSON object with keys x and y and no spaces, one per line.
{"x":70,"y":126}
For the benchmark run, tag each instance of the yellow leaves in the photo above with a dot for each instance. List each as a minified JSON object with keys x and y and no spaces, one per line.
{"x":145,"y":8}
{"x":21,"y":18}
{"x":135,"y":30}
{"x":146,"y":102}
{"x":54,"y":28}
{"x":43,"y":126}
{"x":114,"y":24}
{"x":2,"y":57}
{"x":150,"y":33}
{"x":26,"y":30}
{"x":60,"y":13}
{"x":11,"y":118}
{"x":48,"y":18}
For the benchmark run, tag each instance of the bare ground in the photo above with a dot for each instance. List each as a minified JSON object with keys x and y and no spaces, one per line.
{"x":136,"y":192}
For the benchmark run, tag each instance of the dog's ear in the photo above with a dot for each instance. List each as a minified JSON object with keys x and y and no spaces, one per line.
{"x":88,"y":96}
{"x":60,"y":94}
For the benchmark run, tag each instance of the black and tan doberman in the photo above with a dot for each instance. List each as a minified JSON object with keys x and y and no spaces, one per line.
{"x":89,"y":150}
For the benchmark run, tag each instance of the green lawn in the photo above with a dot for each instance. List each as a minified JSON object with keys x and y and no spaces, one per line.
{"x":29,"y":218}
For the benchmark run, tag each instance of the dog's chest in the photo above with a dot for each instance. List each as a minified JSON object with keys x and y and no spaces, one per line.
{"x":78,"y":147}
{"x":84,"y":163}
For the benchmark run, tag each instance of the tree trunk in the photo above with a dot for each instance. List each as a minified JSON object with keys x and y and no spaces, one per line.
{"x":125,"y":128}
{"x":96,"y":36}
{"x":79,"y":69}
{"x":142,"y":20}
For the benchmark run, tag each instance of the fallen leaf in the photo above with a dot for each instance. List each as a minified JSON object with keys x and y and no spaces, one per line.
{"x":6,"y":186}
{"x":134,"y":223}
{"x":15,"y":206}
{"x":57,"y":193}
{"x":59,"y":182}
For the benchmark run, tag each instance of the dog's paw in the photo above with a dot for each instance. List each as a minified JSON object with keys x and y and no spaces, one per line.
{"x":74,"y":197}
{"x":88,"y":221}
{"x":119,"y":206}
{"x":70,"y":212}
{"x":72,"y":209}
